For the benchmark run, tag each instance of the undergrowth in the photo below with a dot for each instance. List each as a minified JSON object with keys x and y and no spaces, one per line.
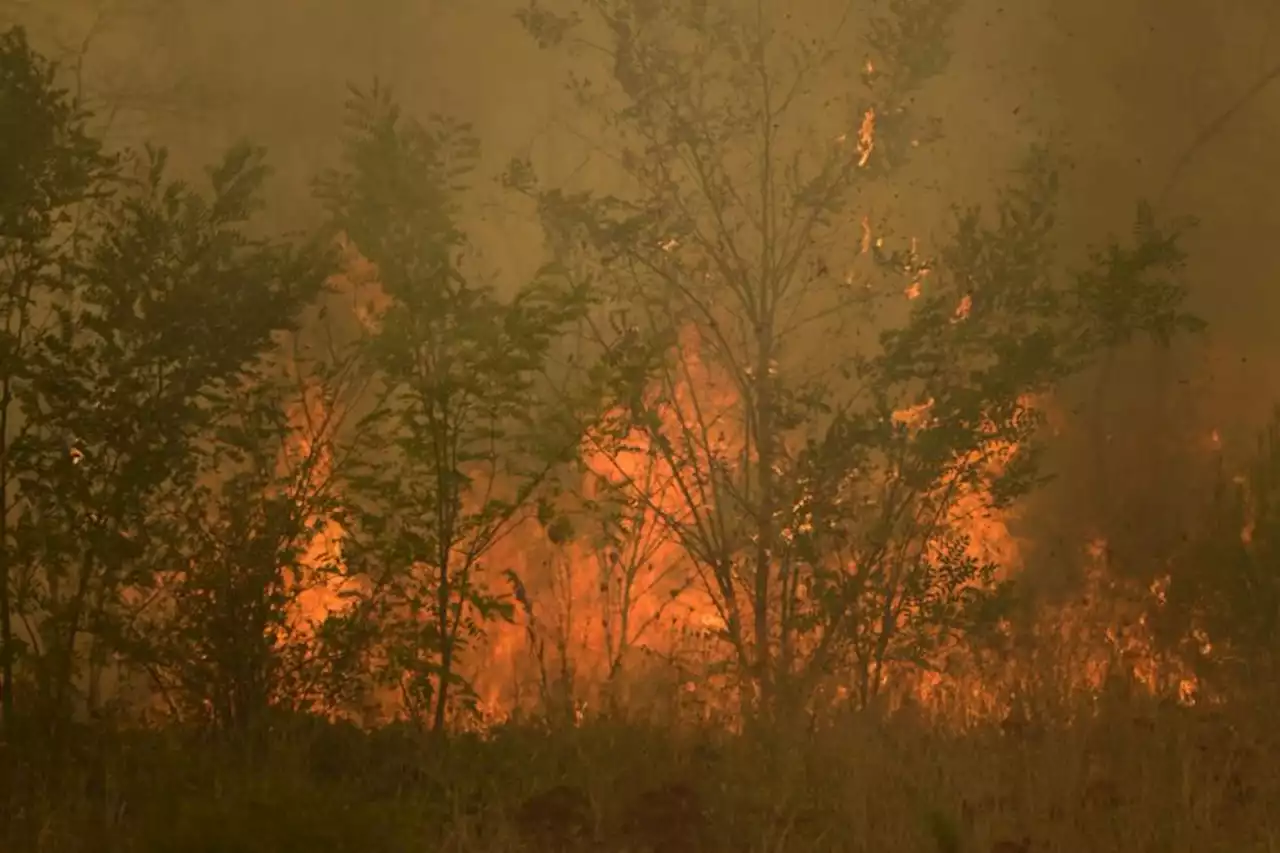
{"x":1137,"y":777}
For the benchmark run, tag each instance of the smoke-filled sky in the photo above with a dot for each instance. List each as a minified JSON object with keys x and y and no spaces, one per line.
{"x":1129,"y":87}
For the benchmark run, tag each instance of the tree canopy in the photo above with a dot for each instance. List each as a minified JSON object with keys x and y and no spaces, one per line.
{"x":738,"y":384}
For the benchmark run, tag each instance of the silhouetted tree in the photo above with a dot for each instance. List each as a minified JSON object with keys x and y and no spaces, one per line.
{"x":454,"y":453}
{"x":157,"y":320}
{"x":830,"y":440}
{"x":50,"y":170}
{"x":237,"y":616}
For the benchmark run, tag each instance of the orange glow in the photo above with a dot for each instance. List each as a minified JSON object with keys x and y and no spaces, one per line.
{"x":306,"y":460}
{"x":627,"y":618}
{"x":602,"y":609}
{"x":866,"y":137}
{"x":359,"y":284}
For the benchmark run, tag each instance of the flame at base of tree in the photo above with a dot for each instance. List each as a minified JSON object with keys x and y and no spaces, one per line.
{"x":318,"y":588}
{"x":612,"y":612}
{"x":615,"y":618}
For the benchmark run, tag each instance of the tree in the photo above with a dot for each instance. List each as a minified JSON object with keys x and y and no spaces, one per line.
{"x":240,"y":613}
{"x":165,"y":318}
{"x":455,"y":453}
{"x":830,"y":441}
{"x":50,"y":170}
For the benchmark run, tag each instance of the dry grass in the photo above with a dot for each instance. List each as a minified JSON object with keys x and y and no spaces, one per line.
{"x":1163,"y":780}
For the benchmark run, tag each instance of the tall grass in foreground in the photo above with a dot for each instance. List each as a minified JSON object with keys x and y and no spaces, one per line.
{"x":1136,"y":776}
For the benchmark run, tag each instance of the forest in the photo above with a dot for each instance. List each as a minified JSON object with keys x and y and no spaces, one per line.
{"x":721,"y":528}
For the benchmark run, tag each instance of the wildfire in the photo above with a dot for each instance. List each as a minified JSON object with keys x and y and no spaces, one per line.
{"x":307,"y":460}
{"x":631,"y":601}
{"x":866,"y":137}
{"x":600,"y":608}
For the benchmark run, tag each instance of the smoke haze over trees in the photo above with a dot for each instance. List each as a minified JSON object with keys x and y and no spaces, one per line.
{"x":471,"y":385}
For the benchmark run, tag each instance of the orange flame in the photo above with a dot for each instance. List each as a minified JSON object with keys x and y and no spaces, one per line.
{"x":625,"y":613}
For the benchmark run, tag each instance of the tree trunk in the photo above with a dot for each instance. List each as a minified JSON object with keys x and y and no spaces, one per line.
{"x":6,"y":603}
{"x":447,"y":633}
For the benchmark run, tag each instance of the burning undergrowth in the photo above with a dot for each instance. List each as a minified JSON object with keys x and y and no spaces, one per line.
{"x":609,"y":612}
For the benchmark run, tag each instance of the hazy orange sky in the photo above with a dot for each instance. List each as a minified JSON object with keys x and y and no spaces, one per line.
{"x":1128,"y":86}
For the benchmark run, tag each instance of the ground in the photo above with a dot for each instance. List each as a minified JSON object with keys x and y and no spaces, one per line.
{"x":1139,"y":777}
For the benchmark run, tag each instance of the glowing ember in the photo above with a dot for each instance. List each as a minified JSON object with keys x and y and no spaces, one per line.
{"x":866,"y":137}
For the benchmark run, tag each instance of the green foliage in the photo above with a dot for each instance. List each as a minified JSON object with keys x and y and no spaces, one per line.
{"x":167,"y":460}
{"x":168,"y":318}
{"x":454,"y":453}
{"x":140,"y":315}
{"x":730,"y":226}
{"x":50,"y":169}
{"x":222,"y":631}
{"x":1024,"y":329}
{"x":49,"y":163}
{"x":831,"y":532}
